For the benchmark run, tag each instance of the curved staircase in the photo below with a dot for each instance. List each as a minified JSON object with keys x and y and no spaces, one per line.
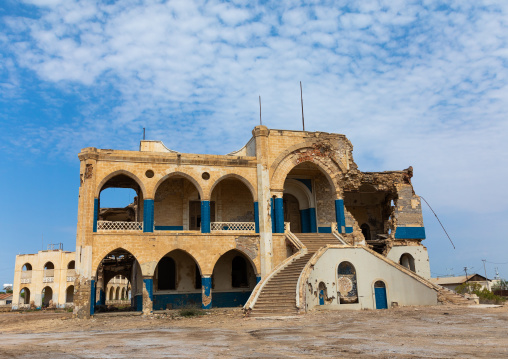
{"x":278,"y":296}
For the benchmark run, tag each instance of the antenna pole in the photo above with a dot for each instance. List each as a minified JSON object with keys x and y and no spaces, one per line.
{"x":42,"y":242}
{"x":485,"y":270}
{"x":301,"y":98}
{"x":260,"y":122}
{"x":143,"y":133}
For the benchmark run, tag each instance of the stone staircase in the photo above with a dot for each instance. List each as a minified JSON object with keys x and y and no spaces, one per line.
{"x":278,"y":296}
{"x":448,"y":296}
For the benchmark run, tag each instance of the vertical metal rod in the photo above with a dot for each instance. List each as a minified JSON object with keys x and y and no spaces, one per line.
{"x":260,"y":122}
{"x":143,"y":133}
{"x":301,"y":98}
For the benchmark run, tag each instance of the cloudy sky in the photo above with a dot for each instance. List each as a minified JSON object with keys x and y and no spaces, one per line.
{"x":421,"y":83}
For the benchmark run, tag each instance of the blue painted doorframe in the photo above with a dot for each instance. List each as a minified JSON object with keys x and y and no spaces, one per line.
{"x":381,"y":301}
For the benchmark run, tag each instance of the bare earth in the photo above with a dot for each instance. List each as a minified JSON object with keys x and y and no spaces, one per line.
{"x":410,"y":332}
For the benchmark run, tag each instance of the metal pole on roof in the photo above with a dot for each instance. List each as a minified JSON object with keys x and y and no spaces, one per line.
{"x":260,"y":122}
{"x":143,"y":133}
{"x":301,"y":98}
{"x":468,"y":287}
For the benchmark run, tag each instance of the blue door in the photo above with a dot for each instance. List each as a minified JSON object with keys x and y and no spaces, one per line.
{"x":380,"y":294}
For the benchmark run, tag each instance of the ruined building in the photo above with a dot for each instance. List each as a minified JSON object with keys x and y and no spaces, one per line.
{"x":283,"y":225}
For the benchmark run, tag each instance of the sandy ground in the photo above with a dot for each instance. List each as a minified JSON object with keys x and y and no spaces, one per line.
{"x":410,"y":332}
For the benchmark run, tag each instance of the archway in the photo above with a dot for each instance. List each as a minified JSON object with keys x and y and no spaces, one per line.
{"x":177,"y":205}
{"x":408,"y":261}
{"x":69,"y":294}
{"x":119,"y":268}
{"x":232,"y":206}
{"x":24,"y":298}
{"x":177,"y":281}
{"x":346,"y":283}
{"x":233,"y":279}
{"x":47,"y":296}
{"x":71,"y":265}
{"x":119,"y":204}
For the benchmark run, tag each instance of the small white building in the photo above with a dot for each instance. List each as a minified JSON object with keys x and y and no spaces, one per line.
{"x":453,"y":282}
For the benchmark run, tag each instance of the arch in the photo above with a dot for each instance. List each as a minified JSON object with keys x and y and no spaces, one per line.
{"x":71,"y":265}
{"x":117,"y":173}
{"x":217,"y":257}
{"x":47,"y":296}
{"x":346,"y":283}
{"x":111,"y":249}
{"x":186,"y":252}
{"x":297,"y":154}
{"x":245,"y":181}
{"x":111,"y":293}
{"x":408,"y":261}
{"x":177,"y":270}
{"x":69,"y":294}
{"x":26,"y":267}
{"x":24,"y":294}
{"x":124,"y":291}
{"x":49,"y":265}
{"x":117,"y":293}
{"x":184,"y":175}
{"x":301,"y":192}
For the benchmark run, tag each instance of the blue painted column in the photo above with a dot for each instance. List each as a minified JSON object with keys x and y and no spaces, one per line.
{"x":148,"y":213}
{"x":92,"y":297}
{"x":206,"y":292}
{"x":312,"y":220}
{"x":279,"y":215}
{"x":205,"y":216}
{"x":305,"y":220}
{"x":256,"y":217}
{"x":340,"y":216}
{"x":95,"y":213}
{"x":272,"y":214}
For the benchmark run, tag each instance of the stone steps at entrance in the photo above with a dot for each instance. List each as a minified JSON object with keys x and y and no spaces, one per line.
{"x":278,"y":296}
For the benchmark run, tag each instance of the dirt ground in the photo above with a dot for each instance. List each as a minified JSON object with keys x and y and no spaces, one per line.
{"x":409,"y":332}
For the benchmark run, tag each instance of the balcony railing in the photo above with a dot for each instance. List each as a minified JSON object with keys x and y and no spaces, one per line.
{"x":26,"y":277}
{"x":49,"y":276}
{"x":233,"y":226}
{"x":119,"y":226}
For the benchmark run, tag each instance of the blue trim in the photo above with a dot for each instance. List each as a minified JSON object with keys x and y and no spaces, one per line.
{"x":349,"y":229}
{"x":138,"y":303}
{"x":306,"y":182}
{"x":312,"y":220}
{"x":256,"y":217}
{"x":305,"y":220}
{"x":169,"y":228}
{"x":95,"y":213}
{"x":272,"y":214}
{"x":148,"y":212}
{"x":230,"y":299}
{"x":149,"y":287}
{"x":339,"y":215}
{"x":92,"y":297}
{"x":258,"y":279}
{"x":176,"y":301}
{"x":205,"y":216}
{"x":381,"y":300}
{"x":206,"y":287}
{"x":410,"y":233}
{"x":279,"y":215}
{"x":102,"y":297}
{"x":325,"y":230}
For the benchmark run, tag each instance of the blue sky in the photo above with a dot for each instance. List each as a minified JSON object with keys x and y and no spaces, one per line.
{"x":421,"y":83}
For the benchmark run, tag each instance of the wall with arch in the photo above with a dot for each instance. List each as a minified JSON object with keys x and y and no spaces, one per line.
{"x":419,"y":254}
{"x":400,"y":287}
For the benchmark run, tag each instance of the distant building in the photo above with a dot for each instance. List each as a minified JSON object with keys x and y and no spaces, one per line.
{"x":5,"y":298}
{"x":454,"y":282}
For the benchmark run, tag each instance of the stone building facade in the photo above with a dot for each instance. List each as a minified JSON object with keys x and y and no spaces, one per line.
{"x":205,"y":229}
